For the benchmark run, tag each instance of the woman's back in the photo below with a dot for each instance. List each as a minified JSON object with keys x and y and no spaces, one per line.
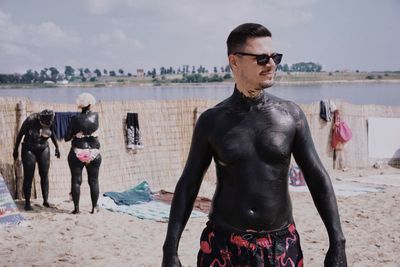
{"x":83,"y":130}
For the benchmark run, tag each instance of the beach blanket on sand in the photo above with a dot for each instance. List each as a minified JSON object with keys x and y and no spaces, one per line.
{"x":345,"y":189}
{"x":139,"y":202}
{"x":153,"y":210}
{"x":9,"y":213}
{"x":138,"y":194}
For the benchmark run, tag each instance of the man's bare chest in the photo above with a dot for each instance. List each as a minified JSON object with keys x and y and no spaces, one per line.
{"x":263,"y":136}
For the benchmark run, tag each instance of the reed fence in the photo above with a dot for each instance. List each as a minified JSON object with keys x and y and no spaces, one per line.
{"x":166,"y":128}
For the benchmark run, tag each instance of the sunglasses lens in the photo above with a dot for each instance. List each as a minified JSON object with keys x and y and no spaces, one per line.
{"x":262,"y":59}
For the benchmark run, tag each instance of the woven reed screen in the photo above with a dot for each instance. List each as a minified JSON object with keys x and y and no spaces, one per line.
{"x":166,"y":129}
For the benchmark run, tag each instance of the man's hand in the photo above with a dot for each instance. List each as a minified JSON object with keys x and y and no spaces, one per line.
{"x":171,"y":261}
{"x":57,"y":154}
{"x":336,"y":256}
{"x":15,"y":154}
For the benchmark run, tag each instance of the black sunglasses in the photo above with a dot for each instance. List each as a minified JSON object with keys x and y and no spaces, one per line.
{"x":263,"y":59}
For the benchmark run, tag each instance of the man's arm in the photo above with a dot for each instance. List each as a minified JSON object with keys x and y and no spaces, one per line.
{"x":186,"y":191}
{"x":320,"y":186}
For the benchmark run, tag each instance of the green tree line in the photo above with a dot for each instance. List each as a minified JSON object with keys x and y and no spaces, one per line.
{"x":188,"y":73}
{"x":85,"y":74}
{"x":300,"y":67}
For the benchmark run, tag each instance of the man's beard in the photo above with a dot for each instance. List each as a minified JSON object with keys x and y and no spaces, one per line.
{"x":256,"y":91}
{"x":267,"y":84}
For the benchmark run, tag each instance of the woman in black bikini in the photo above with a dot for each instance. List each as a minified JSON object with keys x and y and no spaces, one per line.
{"x":37,"y":128}
{"x":85,"y":150}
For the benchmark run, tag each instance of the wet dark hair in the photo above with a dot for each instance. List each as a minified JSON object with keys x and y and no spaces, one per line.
{"x":46,"y":116}
{"x":238,"y":37}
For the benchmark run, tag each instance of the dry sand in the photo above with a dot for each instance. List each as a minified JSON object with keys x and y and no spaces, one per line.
{"x":54,"y":237}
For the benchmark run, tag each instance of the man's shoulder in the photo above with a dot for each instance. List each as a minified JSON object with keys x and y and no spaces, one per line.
{"x":212,"y":114}
{"x":221,"y":106}
{"x":288,"y":105}
{"x":209,"y":114}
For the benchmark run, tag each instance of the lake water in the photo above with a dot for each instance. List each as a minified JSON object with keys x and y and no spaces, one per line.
{"x":381,"y":93}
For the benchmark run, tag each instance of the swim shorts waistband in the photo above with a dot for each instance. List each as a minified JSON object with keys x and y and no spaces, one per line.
{"x":225,"y":229}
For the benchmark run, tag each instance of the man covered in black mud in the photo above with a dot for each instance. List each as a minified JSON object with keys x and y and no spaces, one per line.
{"x":251,"y":136}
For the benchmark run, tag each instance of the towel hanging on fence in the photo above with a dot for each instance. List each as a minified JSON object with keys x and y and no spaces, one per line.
{"x":61,"y":123}
{"x":134,"y":139}
{"x":324,"y":111}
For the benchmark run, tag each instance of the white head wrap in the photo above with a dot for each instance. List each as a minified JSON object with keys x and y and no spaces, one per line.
{"x":85,"y":99}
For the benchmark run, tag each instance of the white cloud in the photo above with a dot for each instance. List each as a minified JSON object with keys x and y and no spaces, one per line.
{"x":4,"y":16}
{"x":8,"y":31}
{"x":17,"y":58}
{"x":43,"y":35}
{"x":117,"y":36}
{"x":23,"y":44}
{"x":116,"y":43}
{"x":143,"y":33}
{"x":209,"y":12}
{"x":226,"y":14}
{"x":14,"y":50}
{"x":290,"y":4}
{"x":48,"y":34}
{"x":99,"y":7}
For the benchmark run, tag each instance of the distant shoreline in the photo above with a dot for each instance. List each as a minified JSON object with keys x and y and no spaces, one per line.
{"x":358,"y":92}
{"x":281,"y":79}
{"x":339,"y":81}
{"x":217,"y":84}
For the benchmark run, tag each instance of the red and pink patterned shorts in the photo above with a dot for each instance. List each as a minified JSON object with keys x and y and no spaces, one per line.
{"x":221,"y":247}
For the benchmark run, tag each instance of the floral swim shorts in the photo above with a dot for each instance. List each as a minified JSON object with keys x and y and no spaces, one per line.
{"x":222,"y":247}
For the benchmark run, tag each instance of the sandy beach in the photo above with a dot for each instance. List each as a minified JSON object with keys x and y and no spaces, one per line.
{"x":54,"y":237}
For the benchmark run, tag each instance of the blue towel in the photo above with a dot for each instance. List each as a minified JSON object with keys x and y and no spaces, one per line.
{"x":61,"y":123}
{"x":138,"y":194}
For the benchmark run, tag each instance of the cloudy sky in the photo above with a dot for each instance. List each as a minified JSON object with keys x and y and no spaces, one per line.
{"x":131,"y":34}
